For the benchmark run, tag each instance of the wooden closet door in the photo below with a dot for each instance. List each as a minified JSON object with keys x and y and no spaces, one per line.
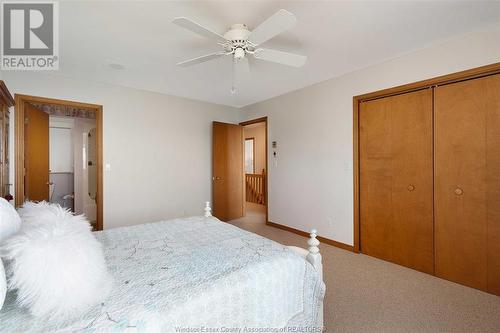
{"x":467,"y":196}
{"x":396,"y":179}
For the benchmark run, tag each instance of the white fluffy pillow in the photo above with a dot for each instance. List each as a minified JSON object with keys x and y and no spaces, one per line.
{"x":56,"y":264}
{"x":10,"y":222}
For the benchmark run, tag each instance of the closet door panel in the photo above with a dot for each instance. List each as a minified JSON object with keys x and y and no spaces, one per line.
{"x":396,"y":179}
{"x":412,"y":190}
{"x":376,"y":179}
{"x":467,"y":181}
{"x":493,"y":181}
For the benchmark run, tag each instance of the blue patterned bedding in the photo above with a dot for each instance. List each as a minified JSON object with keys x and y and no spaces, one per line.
{"x":184,"y":274}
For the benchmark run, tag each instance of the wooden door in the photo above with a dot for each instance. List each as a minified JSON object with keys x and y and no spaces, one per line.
{"x":228,"y":171}
{"x":467,"y":193}
{"x":4,"y":180}
{"x":396,"y":179}
{"x":5,"y":155}
{"x":36,"y":150}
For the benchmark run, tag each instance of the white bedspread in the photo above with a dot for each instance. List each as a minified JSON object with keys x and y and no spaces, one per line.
{"x":185,"y":274}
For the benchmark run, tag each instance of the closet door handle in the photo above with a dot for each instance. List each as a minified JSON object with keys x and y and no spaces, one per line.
{"x":458,"y":191}
{"x":411,"y":188}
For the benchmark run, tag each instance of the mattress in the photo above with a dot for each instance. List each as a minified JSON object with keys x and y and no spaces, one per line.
{"x":190,"y":275}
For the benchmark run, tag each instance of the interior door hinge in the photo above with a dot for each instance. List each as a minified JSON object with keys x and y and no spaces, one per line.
{"x":25,"y":120}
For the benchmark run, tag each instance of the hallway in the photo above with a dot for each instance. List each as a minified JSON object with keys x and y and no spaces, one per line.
{"x":254,"y":214}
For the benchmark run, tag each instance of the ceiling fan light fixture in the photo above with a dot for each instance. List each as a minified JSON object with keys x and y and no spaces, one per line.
{"x":239,"y":53}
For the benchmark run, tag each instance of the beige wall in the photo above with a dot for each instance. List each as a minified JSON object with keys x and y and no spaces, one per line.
{"x":258,"y":132}
{"x":159,"y":147}
{"x":311,"y":179}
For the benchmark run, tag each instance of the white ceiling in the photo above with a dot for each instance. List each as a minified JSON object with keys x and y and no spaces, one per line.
{"x":337,"y":37}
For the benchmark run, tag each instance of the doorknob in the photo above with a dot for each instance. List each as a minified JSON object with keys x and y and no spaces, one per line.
{"x":459,"y":191}
{"x":411,"y":188}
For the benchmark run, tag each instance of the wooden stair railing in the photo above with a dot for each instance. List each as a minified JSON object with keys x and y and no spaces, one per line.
{"x":256,"y":188}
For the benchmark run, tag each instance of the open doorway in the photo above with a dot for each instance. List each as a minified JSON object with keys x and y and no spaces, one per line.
{"x":72,"y":164}
{"x":239,"y":182}
{"x":255,"y":135}
{"x":59,"y":155}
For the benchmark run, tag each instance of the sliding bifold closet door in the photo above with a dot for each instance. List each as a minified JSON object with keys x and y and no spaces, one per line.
{"x":429,"y":180}
{"x":467,"y":188}
{"x":396,"y":179}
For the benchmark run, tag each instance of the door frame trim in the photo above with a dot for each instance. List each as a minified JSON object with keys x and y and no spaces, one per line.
{"x":20,"y":101}
{"x":255,"y":121}
{"x":5,"y":95}
{"x":406,"y":88}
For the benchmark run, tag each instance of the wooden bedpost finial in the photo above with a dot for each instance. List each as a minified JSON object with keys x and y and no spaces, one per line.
{"x":314,"y":257}
{"x":313,"y":242}
{"x":208,"y":210}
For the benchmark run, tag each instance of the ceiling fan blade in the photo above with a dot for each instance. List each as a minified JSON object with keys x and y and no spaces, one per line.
{"x":201,"y":59}
{"x":281,"y":21}
{"x":280,"y":57}
{"x":198,"y":29}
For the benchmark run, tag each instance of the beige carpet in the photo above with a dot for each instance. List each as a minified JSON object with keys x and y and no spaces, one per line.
{"x":365,"y":294}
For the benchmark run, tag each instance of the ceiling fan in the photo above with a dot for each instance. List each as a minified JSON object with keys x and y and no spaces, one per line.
{"x":239,"y":42}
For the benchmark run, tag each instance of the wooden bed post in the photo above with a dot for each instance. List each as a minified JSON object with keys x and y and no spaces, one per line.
{"x":311,"y":255}
{"x":208,"y":209}
{"x":314,"y":257}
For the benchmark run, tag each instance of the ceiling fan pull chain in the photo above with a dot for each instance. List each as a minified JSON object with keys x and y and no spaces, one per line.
{"x":233,"y":88}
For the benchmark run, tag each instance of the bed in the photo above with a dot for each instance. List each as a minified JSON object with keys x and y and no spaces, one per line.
{"x":197,"y":274}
